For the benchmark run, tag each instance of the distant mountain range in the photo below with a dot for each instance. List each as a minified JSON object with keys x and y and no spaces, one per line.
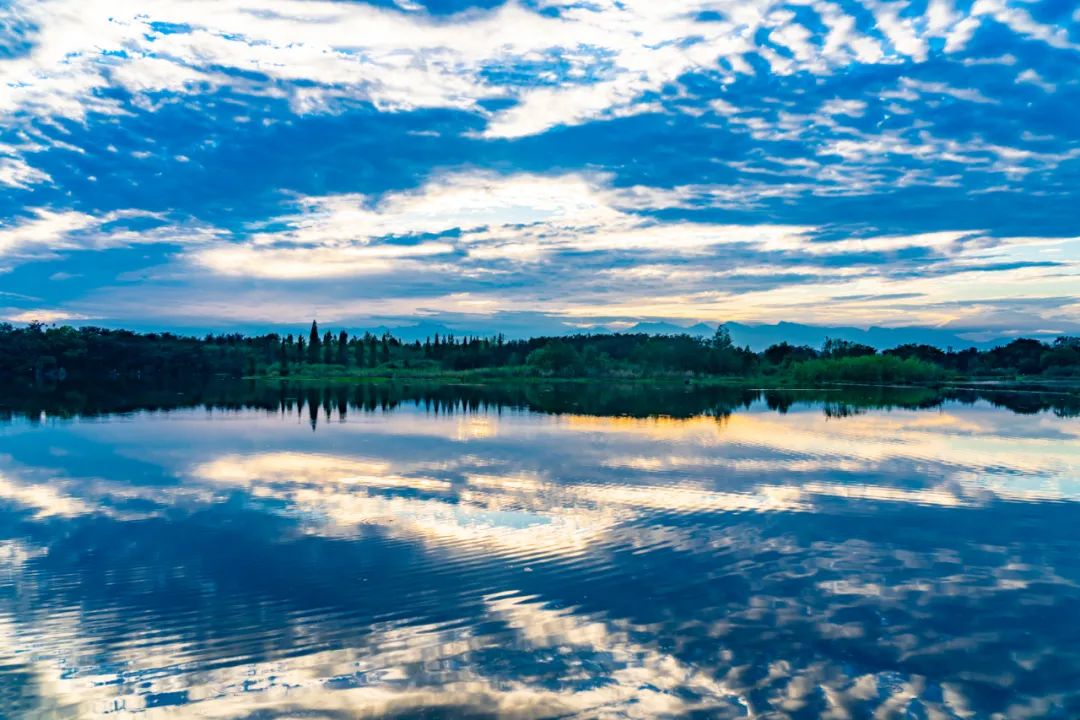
{"x":758,"y":337}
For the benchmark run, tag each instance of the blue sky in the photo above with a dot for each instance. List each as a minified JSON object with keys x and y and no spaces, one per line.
{"x":542,"y":164}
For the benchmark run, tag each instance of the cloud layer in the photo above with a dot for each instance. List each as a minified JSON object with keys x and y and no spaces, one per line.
{"x":195,"y":162}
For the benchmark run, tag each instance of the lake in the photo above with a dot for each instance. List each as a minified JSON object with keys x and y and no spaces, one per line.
{"x":546,"y":551}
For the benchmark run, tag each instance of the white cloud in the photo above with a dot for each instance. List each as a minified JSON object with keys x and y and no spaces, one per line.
{"x":554,"y":239}
{"x":972,"y":95}
{"x":1021,"y":22}
{"x":837,"y":106}
{"x":313,"y":263}
{"x":465,"y":200}
{"x":940,"y":14}
{"x":1031,"y":77}
{"x":317,"y":54}
{"x":555,"y":243}
{"x":15,"y":172}
{"x":484,"y":221}
{"x":519,"y":218}
{"x":46,"y":233}
{"x":901,"y":32}
{"x":43,"y":315}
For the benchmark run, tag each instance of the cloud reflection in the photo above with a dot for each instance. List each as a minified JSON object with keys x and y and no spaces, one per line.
{"x":527,"y":565}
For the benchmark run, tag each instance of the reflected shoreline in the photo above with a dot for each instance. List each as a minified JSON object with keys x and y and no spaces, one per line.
{"x":599,"y":399}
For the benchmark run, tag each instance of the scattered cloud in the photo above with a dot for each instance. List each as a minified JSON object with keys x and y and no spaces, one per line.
{"x":575,"y":247}
{"x":707,"y":161}
{"x":45,"y":316}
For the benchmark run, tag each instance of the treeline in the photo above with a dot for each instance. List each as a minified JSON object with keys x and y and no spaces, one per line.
{"x":37,"y":353}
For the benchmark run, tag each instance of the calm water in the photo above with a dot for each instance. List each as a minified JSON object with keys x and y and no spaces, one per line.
{"x":552,"y":552}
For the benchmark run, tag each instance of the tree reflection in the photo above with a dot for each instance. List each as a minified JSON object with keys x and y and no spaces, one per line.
{"x":601,"y":399}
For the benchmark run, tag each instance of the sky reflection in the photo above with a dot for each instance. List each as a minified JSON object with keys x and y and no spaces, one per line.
{"x":497,"y":560}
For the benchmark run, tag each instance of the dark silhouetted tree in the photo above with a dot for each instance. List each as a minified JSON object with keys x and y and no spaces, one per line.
{"x":785,"y":353}
{"x":343,"y":348}
{"x":283,"y":360}
{"x":836,"y":348}
{"x":314,"y":343}
{"x":360,"y":351}
{"x":328,"y":347}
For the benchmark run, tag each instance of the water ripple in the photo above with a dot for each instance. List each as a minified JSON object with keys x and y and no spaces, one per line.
{"x":472,"y":563}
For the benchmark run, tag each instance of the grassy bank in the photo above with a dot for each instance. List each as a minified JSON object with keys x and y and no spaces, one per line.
{"x":871,"y":369}
{"x":862,"y":370}
{"x":818,"y":373}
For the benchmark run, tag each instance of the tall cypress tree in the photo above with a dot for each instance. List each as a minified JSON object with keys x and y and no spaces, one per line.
{"x":314,"y":343}
{"x":343,"y":348}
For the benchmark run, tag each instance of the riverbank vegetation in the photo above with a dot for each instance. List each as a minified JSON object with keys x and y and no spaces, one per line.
{"x":36,"y":353}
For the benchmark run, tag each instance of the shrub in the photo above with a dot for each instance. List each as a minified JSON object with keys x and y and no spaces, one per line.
{"x":866,"y":369}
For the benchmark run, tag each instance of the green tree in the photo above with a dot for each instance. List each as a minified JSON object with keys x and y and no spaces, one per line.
{"x":369,"y":343}
{"x":721,"y":339}
{"x":343,"y":348}
{"x":836,"y":348}
{"x":556,"y":357}
{"x":927,"y":353}
{"x":314,"y":343}
{"x":785,"y":353}
{"x":328,"y":348}
{"x":283,"y":360}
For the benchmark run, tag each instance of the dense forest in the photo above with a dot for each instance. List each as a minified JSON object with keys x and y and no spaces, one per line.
{"x":36,"y":354}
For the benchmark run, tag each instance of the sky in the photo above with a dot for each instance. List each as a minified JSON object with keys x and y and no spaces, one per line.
{"x":540,"y":165}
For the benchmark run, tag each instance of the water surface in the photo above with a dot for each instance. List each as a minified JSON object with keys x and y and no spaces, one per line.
{"x":544,"y":552}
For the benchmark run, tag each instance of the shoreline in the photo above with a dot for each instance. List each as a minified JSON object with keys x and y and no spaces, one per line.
{"x":755,"y":382}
